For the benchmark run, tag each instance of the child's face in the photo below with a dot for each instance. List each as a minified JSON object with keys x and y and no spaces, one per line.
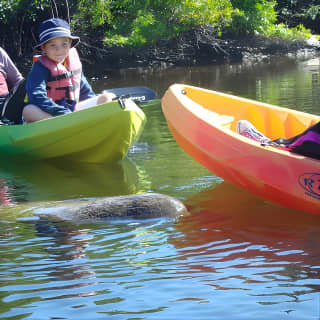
{"x":57,"y":49}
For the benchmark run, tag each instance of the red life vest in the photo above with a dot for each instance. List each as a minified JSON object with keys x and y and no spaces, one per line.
{"x":3,"y":85}
{"x":64,"y":81}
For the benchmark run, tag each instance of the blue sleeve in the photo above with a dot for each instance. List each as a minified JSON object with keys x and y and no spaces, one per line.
{"x":37,"y":92}
{"x":86,"y":91}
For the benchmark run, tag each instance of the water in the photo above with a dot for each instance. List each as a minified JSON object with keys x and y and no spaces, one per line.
{"x":235,"y":257}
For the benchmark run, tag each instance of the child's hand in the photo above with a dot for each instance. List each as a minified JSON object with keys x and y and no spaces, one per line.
{"x":91,"y":102}
{"x":105,"y":97}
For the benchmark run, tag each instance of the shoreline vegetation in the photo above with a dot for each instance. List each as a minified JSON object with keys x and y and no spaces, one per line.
{"x":195,"y":47}
{"x":166,"y":33}
{"x":200,"y":47}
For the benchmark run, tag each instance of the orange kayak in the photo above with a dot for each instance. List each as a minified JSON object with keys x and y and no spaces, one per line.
{"x":203,"y":122}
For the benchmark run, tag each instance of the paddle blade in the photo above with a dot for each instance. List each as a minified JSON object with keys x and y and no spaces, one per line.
{"x":137,"y":94}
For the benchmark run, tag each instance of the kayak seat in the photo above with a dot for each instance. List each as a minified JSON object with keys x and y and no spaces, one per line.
{"x":208,"y":115}
{"x":216,"y":118}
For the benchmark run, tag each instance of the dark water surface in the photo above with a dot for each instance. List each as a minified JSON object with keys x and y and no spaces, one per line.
{"x":235,"y":257}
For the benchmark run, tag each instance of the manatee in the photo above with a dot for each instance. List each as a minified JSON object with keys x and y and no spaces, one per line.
{"x":138,"y":206}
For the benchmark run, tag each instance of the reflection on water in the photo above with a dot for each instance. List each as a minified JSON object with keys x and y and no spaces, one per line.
{"x":45,"y":181}
{"x":235,"y":256}
{"x":260,"y":258}
{"x":232,"y":215}
{"x":96,"y":270}
{"x":246,"y":244}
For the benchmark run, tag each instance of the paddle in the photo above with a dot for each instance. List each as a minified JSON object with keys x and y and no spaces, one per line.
{"x":140,"y":95}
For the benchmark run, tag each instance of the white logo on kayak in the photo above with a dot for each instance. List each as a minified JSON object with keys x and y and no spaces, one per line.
{"x":139,"y":98}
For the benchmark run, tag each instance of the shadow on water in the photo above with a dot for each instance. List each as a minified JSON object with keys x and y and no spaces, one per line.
{"x":24,"y":185}
{"x":229,"y":226}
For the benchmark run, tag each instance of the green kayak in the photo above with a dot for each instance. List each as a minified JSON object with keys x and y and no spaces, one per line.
{"x":102,"y":133}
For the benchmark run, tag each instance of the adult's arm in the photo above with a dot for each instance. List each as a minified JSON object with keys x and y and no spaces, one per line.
{"x":8,"y":68}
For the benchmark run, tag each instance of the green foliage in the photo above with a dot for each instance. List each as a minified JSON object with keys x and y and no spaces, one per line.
{"x":312,"y":12}
{"x":17,"y":17}
{"x":281,"y":30}
{"x":94,"y":14}
{"x":11,"y":10}
{"x":145,"y":28}
{"x":148,"y":21}
{"x":137,"y":23}
{"x":259,"y":16}
{"x":295,"y":12}
{"x":252,"y":16}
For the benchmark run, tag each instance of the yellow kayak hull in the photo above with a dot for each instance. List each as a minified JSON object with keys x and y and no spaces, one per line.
{"x":203,"y":123}
{"x":102,"y":133}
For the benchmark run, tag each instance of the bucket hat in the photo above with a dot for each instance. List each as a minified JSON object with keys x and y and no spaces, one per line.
{"x":55,"y":28}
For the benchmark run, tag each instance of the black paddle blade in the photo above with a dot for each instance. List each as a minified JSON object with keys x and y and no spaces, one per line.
{"x":137,"y":94}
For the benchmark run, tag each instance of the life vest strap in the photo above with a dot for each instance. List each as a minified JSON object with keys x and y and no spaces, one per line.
{"x":71,"y":87}
{"x":66,"y":75}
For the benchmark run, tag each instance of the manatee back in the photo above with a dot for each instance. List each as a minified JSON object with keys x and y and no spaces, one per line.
{"x":139,"y":206}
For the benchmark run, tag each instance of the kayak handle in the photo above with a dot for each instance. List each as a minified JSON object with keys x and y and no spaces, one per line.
{"x":121,"y":100}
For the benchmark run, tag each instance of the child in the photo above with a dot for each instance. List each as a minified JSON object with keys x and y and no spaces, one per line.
{"x":56,"y":83}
